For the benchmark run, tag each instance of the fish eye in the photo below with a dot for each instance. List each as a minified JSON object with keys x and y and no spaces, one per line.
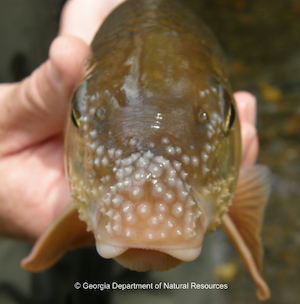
{"x":229,"y":112}
{"x":202,"y":116}
{"x":100,"y":113}
{"x":75,"y":114}
{"x":75,"y":118}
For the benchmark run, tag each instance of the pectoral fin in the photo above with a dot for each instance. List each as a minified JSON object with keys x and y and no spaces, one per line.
{"x":65,"y":233}
{"x":243,"y":221}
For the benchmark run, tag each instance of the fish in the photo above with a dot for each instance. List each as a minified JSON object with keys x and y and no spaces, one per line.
{"x":153,"y":149}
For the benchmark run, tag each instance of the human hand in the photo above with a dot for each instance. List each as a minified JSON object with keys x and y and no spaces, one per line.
{"x":246,"y":104}
{"x":34,"y":188}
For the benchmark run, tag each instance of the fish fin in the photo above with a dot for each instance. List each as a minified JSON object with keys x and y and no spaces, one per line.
{"x":65,"y":233}
{"x":243,"y":221}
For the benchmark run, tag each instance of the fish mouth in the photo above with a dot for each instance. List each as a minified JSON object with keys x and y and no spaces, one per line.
{"x":143,"y":259}
{"x":186,"y":255}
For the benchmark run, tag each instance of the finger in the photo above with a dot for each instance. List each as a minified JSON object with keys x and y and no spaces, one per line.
{"x":250,"y":146}
{"x":36,"y":108}
{"x":81,"y":18}
{"x":246,"y":104}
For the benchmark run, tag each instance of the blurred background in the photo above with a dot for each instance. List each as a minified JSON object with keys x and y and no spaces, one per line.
{"x":261,"y":41}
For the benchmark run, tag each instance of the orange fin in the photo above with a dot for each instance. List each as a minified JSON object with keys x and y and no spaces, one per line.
{"x":65,"y":233}
{"x":243,"y":221}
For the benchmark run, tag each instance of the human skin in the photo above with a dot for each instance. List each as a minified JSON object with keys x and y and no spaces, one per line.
{"x":34,"y":187}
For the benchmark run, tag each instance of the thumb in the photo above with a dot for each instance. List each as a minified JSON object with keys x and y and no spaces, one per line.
{"x":36,"y":108}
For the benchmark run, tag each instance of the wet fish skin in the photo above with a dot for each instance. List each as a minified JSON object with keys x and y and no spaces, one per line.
{"x":144,"y":95}
{"x":153,"y":148}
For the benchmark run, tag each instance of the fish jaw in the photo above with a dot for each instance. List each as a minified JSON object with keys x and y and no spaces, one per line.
{"x":148,"y":208}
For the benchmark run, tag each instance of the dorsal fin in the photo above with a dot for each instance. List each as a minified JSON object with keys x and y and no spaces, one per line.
{"x":65,"y":233}
{"x":243,"y":221}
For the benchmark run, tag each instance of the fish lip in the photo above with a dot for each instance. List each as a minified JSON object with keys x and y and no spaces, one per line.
{"x":185,"y":255}
{"x":111,"y":251}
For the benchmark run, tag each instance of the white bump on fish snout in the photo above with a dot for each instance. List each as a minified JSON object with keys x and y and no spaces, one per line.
{"x":148,"y":154}
{"x":183,"y":175}
{"x":117,"y":217}
{"x":117,"y":200}
{"x":128,"y":170}
{"x":170,"y":224}
{"x":106,"y":198}
{"x":113,"y":189}
{"x":177,"y":209}
{"x":171,"y":181}
{"x":109,"y":213}
{"x":177,"y":165}
{"x":93,"y":145}
{"x":204,"y":156}
{"x":120,"y":174}
{"x":195,"y":161}
{"x":165,"y":140}
{"x":97,"y":162}
{"x":178,"y":150}
{"x":94,"y":133}
{"x":139,"y":177}
{"x":105,"y":161}
{"x":132,"y":142}
{"x":108,"y":228}
{"x":185,"y":159}
{"x":137,"y":193}
{"x":161,"y":207}
{"x":100,"y":150}
{"x":142,"y":162}
{"x":126,"y":161}
{"x":130,"y":218}
{"x":128,"y":232}
{"x":155,"y":170}
{"x":117,"y":228}
{"x":118,"y":153}
{"x":127,"y":183}
{"x":158,"y":189}
{"x":127,"y":206}
{"x":169,"y":196}
{"x":111,"y":152}
{"x":150,"y":235}
{"x":143,"y":209}
{"x":178,"y":232}
{"x":162,"y":161}
{"x":170,"y":150}
{"x":153,"y":221}
{"x":204,"y":169}
{"x":207,"y":147}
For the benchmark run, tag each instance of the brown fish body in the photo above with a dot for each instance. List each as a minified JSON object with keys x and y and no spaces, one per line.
{"x":157,"y":79}
{"x":153,"y":142}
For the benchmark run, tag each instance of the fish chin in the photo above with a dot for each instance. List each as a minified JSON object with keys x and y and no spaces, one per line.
{"x":148,"y":215}
{"x":144,"y":259}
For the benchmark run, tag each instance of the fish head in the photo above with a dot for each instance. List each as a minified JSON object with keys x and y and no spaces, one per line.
{"x":153,"y":149}
{"x":151,"y":176}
